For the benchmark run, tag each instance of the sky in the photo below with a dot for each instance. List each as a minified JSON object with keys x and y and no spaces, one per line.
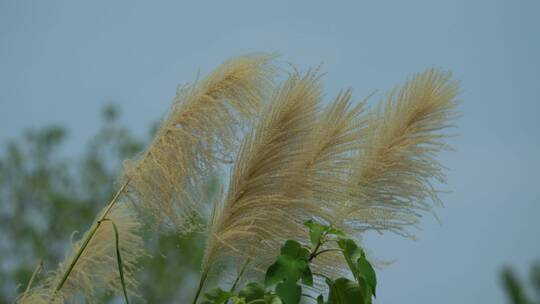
{"x":62,"y":61}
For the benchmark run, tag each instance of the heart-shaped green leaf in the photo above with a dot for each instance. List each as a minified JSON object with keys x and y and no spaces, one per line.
{"x":291,"y":265}
{"x":294,"y":249}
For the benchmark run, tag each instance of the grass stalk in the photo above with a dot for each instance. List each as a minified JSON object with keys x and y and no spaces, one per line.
{"x":119,"y":260}
{"x":240,"y":274}
{"x":90,"y":235}
{"x":244,"y":267}
{"x":204,"y":275}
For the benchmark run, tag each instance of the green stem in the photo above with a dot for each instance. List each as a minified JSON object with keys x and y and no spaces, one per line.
{"x":89,"y":237}
{"x":323,"y":251}
{"x":244,"y":267}
{"x":204,"y":275}
{"x":319,"y":244}
{"x":314,"y":253}
{"x":240,"y":274}
{"x":119,"y":259}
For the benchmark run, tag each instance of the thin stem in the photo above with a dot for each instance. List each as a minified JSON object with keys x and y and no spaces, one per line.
{"x":323,"y":251}
{"x":240,"y":274}
{"x":314,"y":253}
{"x":38,"y":269}
{"x":204,"y":275}
{"x":119,"y":258}
{"x":90,"y":235}
{"x":244,"y":267}
{"x":319,"y":244}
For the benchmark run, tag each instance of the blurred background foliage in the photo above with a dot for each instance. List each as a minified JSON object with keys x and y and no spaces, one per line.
{"x":518,"y":291}
{"x":45,"y":196}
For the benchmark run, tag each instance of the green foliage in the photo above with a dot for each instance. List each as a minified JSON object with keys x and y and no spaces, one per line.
{"x":217,"y":296}
{"x":516,"y":289}
{"x":367,"y":273}
{"x":252,"y":292}
{"x":286,"y":277}
{"x":360,"y":267}
{"x":345,"y":291}
{"x":290,"y":266}
{"x":318,"y":231}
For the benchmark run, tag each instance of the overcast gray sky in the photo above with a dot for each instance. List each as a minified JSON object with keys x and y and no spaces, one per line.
{"x":61,"y":61}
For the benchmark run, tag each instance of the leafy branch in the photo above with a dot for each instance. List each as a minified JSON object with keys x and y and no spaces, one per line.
{"x":291,"y":271}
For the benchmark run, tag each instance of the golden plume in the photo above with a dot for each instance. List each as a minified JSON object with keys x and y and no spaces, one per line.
{"x":42,"y":294}
{"x":356,"y":170}
{"x":165,"y":180}
{"x":336,"y":137}
{"x":257,"y":214}
{"x":395,"y":169}
{"x":97,"y":266}
{"x":201,"y":125}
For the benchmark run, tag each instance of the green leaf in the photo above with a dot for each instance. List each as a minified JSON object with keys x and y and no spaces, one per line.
{"x":291,"y":265}
{"x":320,"y":299}
{"x":217,"y":296}
{"x":289,"y":292}
{"x":316,"y":231}
{"x":360,"y":267}
{"x":285,"y":268}
{"x":366,"y":271}
{"x":345,"y":291}
{"x":252,"y":291}
{"x":307,"y":276}
{"x":294,"y":249}
{"x":119,"y":260}
{"x":368,"y":293}
{"x":334,"y":231}
{"x":352,"y":253}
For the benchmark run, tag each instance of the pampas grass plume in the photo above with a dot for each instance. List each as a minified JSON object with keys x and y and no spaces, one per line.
{"x":200,"y":127}
{"x":97,"y":267}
